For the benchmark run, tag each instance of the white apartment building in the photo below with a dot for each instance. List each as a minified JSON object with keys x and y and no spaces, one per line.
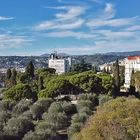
{"x":61,"y":65}
{"x":132,"y":62}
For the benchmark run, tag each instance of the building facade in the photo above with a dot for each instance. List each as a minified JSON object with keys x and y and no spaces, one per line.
{"x":132,"y":62}
{"x":61,"y":65}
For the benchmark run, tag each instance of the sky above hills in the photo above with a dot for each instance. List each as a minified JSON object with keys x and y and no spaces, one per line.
{"x":34,"y":27}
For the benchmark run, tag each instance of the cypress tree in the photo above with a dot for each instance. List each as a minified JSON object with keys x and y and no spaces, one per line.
{"x":132,"y":83}
{"x":13,"y":77}
{"x":40,"y":83}
{"x":8,"y":74}
{"x":116,"y":77}
{"x":104,"y":70}
{"x":30,"y":70}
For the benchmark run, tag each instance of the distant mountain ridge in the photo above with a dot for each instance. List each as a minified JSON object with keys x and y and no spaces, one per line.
{"x":59,"y":54}
{"x":133,"y":53}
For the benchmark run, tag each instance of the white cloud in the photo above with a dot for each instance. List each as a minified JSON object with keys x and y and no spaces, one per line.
{"x":72,"y":12}
{"x":56,"y":8}
{"x":12,"y":41}
{"x":133,"y":28}
{"x":67,"y":19}
{"x":109,"y":10}
{"x":78,"y":35}
{"x":97,"y":1}
{"x":49,"y":25}
{"x":112,"y":22}
{"x":2,"y":18}
{"x":118,"y":34}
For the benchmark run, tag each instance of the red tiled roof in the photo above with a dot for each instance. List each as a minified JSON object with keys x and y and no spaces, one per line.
{"x":133,"y":57}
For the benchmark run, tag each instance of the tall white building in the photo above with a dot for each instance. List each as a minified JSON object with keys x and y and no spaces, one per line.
{"x":132,"y":62}
{"x":61,"y":65}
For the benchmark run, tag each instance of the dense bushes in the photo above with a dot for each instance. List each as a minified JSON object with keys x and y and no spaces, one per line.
{"x":18,"y":126}
{"x":85,"y":82}
{"x":85,"y":107}
{"x":18,"y":92}
{"x":117,"y":119}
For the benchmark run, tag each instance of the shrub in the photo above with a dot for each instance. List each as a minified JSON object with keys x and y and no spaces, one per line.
{"x":18,"y":126}
{"x":18,"y":92}
{"x":115,"y":119}
{"x":104,"y":98}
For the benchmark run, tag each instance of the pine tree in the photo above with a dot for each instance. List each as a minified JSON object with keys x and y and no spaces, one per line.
{"x":8,"y":74}
{"x":116,"y":77}
{"x":30,"y":70}
{"x":40,"y":83}
{"x":94,"y":68}
{"x":107,"y":71}
{"x":132,"y":83}
{"x":13,"y":77}
{"x":104,"y":70}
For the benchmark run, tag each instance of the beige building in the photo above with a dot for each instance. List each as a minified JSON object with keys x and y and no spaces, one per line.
{"x":132,"y":62}
{"x":61,"y":65}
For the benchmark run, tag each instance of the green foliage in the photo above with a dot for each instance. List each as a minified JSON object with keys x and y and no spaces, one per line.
{"x":18,"y":92}
{"x":137,"y":80}
{"x":8,"y":74}
{"x":87,"y":82}
{"x":55,"y":107}
{"x":122,"y":75}
{"x":21,"y":107}
{"x":45,"y":103}
{"x":56,"y":116}
{"x":91,"y":97}
{"x":32,"y":136}
{"x":69,"y":108}
{"x":117,"y":77}
{"x":117,"y":119}
{"x":36,"y":111}
{"x":57,"y":120}
{"x":18,"y":126}
{"x":104,"y":98}
{"x":46,"y":71}
{"x":7,"y":105}
{"x":22,"y":77}
{"x":77,"y":123}
{"x":4,"y":116}
{"x":40,"y":83}
{"x":107,"y":83}
{"x":13,"y":77}
{"x":30,"y":70}
{"x":55,"y":87}
{"x":84,"y":103}
{"x":82,"y":66}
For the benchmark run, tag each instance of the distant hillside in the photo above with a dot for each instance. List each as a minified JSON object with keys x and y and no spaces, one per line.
{"x":134,"y":53}
{"x":45,"y":55}
{"x":59,"y":54}
{"x":99,"y":59}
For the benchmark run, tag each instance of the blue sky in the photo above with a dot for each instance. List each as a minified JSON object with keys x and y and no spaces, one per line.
{"x":34,"y":27}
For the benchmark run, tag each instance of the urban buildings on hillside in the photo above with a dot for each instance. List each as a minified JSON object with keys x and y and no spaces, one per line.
{"x":61,"y":65}
{"x":132,"y":62}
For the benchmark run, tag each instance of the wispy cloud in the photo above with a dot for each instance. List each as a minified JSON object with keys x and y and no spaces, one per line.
{"x":49,"y":25}
{"x":2,"y":18}
{"x":78,"y":35}
{"x":112,"y":22}
{"x":68,"y":19}
{"x":12,"y":41}
{"x":101,"y":27}
{"x":72,"y":12}
{"x":109,"y":10}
